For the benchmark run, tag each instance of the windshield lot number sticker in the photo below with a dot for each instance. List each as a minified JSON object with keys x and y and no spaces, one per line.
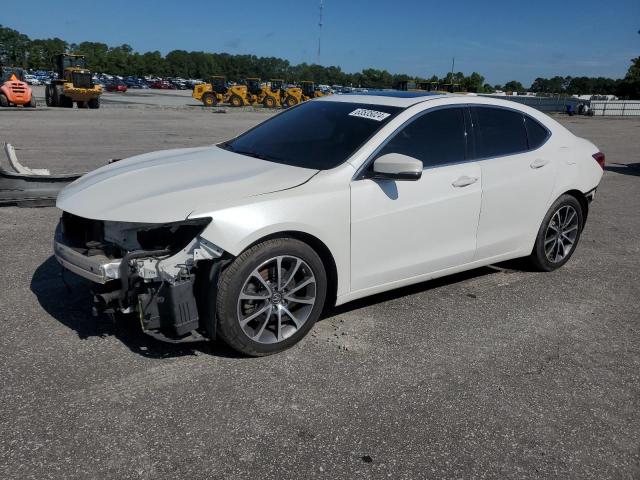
{"x":370,"y":114}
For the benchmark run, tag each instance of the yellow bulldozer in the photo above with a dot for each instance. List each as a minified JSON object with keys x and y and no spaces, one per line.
{"x":306,"y":91}
{"x":217,"y":91}
{"x":73,"y":85}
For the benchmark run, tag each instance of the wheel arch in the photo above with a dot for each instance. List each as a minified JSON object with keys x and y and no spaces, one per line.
{"x":582,"y":199}
{"x":320,"y":248}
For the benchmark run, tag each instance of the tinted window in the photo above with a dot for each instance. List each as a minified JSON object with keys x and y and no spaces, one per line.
{"x":436,"y":138}
{"x":317,"y":135}
{"x":499,"y":132}
{"x":536,"y":133}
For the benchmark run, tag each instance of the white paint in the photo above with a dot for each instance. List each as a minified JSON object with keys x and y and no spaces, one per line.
{"x":382,"y":234}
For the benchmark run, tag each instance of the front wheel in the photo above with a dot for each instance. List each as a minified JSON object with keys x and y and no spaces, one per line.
{"x":558,"y":235}
{"x":270,"y":102}
{"x":270,"y":296}
{"x":236,"y":101}
{"x":209,"y":100}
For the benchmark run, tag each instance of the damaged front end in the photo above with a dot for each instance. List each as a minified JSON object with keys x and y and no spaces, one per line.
{"x":142,"y":268}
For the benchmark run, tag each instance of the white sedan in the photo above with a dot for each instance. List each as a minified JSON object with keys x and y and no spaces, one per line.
{"x":333,"y":200}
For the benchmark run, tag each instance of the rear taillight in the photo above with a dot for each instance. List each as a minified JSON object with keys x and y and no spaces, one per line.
{"x":599,"y":157}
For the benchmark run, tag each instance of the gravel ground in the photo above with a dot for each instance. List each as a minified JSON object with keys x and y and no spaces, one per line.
{"x":495,"y":373}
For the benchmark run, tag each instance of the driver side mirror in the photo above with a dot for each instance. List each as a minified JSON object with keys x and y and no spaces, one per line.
{"x":396,"y":166}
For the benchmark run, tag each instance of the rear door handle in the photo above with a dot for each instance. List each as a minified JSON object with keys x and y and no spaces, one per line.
{"x":464,"y":181}
{"x":539,"y":163}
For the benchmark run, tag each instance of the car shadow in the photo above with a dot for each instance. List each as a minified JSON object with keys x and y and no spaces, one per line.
{"x":66,"y":297}
{"x":632,"y":169}
{"x":425,"y":286}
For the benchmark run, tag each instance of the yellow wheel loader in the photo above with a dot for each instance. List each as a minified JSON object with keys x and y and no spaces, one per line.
{"x":211,"y":94}
{"x":306,"y":91}
{"x":73,"y":85}
{"x":267,"y":95}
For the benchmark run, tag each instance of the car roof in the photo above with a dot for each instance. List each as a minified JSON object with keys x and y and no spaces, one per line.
{"x":393,"y":98}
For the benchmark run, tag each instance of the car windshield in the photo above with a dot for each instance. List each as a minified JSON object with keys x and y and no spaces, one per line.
{"x":318,"y":135}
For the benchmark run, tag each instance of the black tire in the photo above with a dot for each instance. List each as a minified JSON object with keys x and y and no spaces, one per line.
{"x":539,"y":258}
{"x":51,"y":96}
{"x":209,"y":100}
{"x":270,"y":102}
{"x":4,"y":102}
{"x":290,"y":101}
{"x":232,"y":281}
{"x":94,"y":102}
{"x":82,"y":104}
{"x":66,"y":102}
{"x":236,"y":101}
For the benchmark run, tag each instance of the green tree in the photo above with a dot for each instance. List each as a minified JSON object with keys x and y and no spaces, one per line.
{"x":13,"y":46}
{"x":514,"y":86}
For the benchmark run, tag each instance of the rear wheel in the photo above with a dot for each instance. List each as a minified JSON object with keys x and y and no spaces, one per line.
{"x":66,"y":102}
{"x":236,"y":101}
{"x":4,"y":102}
{"x":94,"y":102}
{"x":270,"y":296}
{"x":270,"y":102}
{"x":209,"y":100}
{"x":290,"y":101}
{"x":50,"y":95}
{"x":558,"y":235}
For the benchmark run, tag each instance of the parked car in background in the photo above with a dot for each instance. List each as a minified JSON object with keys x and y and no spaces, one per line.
{"x":32,"y":79}
{"x":162,"y":85}
{"x":116,"y":86}
{"x":336,"y":199}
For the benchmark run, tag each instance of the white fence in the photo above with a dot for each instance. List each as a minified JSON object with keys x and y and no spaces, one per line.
{"x":544,"y":104}
{"x":625,"y":108}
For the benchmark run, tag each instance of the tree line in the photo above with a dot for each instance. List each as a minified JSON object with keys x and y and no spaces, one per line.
{"x":18,"y":49}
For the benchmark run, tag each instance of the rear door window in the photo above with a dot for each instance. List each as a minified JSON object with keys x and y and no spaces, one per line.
{"x":498,"y":132}
{"x":436,"y":138}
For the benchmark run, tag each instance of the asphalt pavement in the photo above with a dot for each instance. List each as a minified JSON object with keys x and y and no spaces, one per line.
{"x":495,"y":373}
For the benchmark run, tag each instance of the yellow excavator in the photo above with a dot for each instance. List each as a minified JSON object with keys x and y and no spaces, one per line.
{"x":73,"y":85}
{"x":217,"y":91}
{"x":306,"y":91}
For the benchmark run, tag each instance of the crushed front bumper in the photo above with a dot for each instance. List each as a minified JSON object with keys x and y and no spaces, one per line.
{"x":97,"y":268}
{"x":156,"y":285}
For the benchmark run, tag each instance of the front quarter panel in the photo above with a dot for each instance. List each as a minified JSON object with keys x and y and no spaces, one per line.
{"x":319,"y":208}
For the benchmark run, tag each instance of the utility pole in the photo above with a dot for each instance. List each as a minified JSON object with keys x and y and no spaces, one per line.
{"x":320,"y":30}
{"x":453,"y":66}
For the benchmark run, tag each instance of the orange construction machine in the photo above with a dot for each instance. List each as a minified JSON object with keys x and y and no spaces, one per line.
{"x":13,"y":89}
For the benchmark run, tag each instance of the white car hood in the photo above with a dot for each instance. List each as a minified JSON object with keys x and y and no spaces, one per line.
{"x":167,"y":186}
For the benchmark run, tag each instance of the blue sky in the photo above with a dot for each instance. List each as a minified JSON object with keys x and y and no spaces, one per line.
{"x":502,"y":42}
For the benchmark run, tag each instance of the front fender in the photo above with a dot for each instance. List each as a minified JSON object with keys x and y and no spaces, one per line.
{"x":321,"y":214}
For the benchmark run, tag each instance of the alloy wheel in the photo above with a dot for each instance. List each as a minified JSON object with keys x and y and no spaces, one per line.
{"x":276,"y":299}
{"x":561,"y":233}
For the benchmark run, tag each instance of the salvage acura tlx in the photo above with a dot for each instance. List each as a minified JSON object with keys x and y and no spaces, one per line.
{"x":330,"y":201}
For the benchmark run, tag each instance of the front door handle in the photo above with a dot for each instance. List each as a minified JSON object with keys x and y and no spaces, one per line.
{"x":539,"y":163}
{"x":464,"y":181}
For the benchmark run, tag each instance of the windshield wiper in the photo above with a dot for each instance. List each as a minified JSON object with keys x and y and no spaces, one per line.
{"x":250,"y":153}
